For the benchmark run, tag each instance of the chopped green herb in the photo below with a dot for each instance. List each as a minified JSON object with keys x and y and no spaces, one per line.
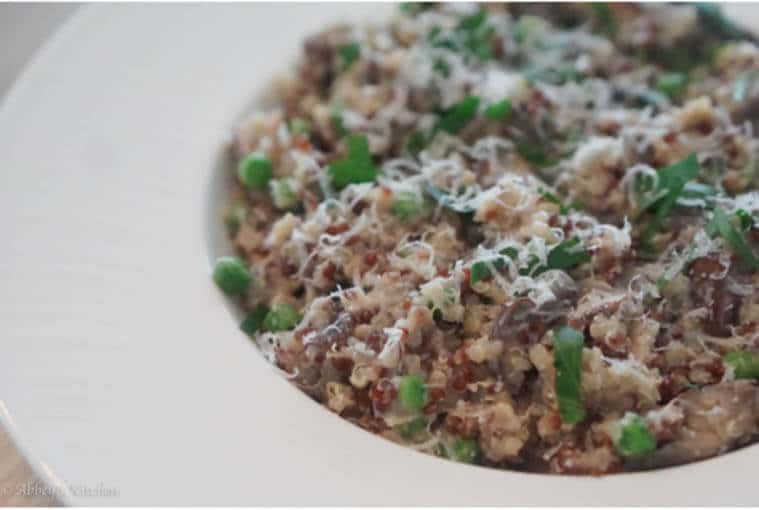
{"x":510,"y":252}
{"x":672,"y":180}
{"x":414,"y":8}
{"x":471,"y":35}
{"x":745,"y":364}
{"x":567,"y":254}
{"x":231,"y":275}
{"x":416,"y":142}
{"x":282,"y":317}
{"x":535,"y":155}
{"x":465,"y":450}
{"x":743,"y":85}
{"x":336,"y":118}
{"x":720,"y":225}
{"x":532,"y":268}
{"x":412,"y":428}
{"x":746,"y":220}
{"x":408,"y":204}
{"x":255,"y":170}
{"x":672,"y":84}
{"x":412,"y":393}
{"x":635,"y":439}
{"x":481,"y":270}
{"x":283,"y":193}
{"x":472,"y":21}
{"x":499,"y":110}
{"x":356,"y":166}
{"x":567,"y":351}
{"x":563,"y":209}
{"x":605,"y":18}
{"x":477,"y":34}
{"x":718,"y":24}
{"x":442,"y":67}
{"x":349,"y":53}
{"x":254,"y":321}
{"x":438,"y":40}
{"x":459,"y":115}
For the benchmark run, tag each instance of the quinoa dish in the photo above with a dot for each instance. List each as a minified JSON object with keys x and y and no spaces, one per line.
{"x":522,"y":236}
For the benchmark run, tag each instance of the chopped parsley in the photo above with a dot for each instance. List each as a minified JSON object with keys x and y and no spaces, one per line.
{"x":605,"y":18}
{"x":477,"y":34}
{"x":567,"y":254}
{"x":746,"y":220}
{"x":459,"y":115}
{"x":672,"y":84}
{"x":563,"y":209}
{"x":349,"y":53}
{"x":534,"y":154}
{"x":481,"y":270}
{"x":336,"y":118}
{"x":414,"y":8}
{"x":498,"y":111}
{"x":442,"y":67}
{"x":254,"y":321}
{"x":563,"y":256}
{"x":356,"y":166}
{"x":567,"y":351}
{"x":416,"y":142}
{"x":721,"y":225}
{"x":672,"y":180}
{"x":718,"y":24}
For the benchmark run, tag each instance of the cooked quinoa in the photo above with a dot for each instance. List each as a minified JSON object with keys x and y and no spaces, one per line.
{"x":520,"y":236}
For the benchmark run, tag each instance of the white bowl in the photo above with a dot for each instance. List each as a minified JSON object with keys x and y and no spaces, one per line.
{"x":124,"y":378}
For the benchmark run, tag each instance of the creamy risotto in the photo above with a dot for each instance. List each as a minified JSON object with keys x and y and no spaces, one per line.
{"x":522,"y":236}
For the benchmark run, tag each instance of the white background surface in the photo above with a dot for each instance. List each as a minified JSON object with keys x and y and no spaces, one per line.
{"x":121,"y":365}
{"x":23,"y":27}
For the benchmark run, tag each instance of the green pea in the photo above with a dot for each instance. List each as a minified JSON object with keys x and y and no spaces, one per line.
{"x":410,"y":429}
{"x":254,"y":320}
{"x":412,"y":393}
{"x":465,"y":450}
{"x":745,"y":364}
{"x":255,"y":171}
{"x":635,"y":439}
{"x":283,"y":317}
{"x":231,"y":275}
